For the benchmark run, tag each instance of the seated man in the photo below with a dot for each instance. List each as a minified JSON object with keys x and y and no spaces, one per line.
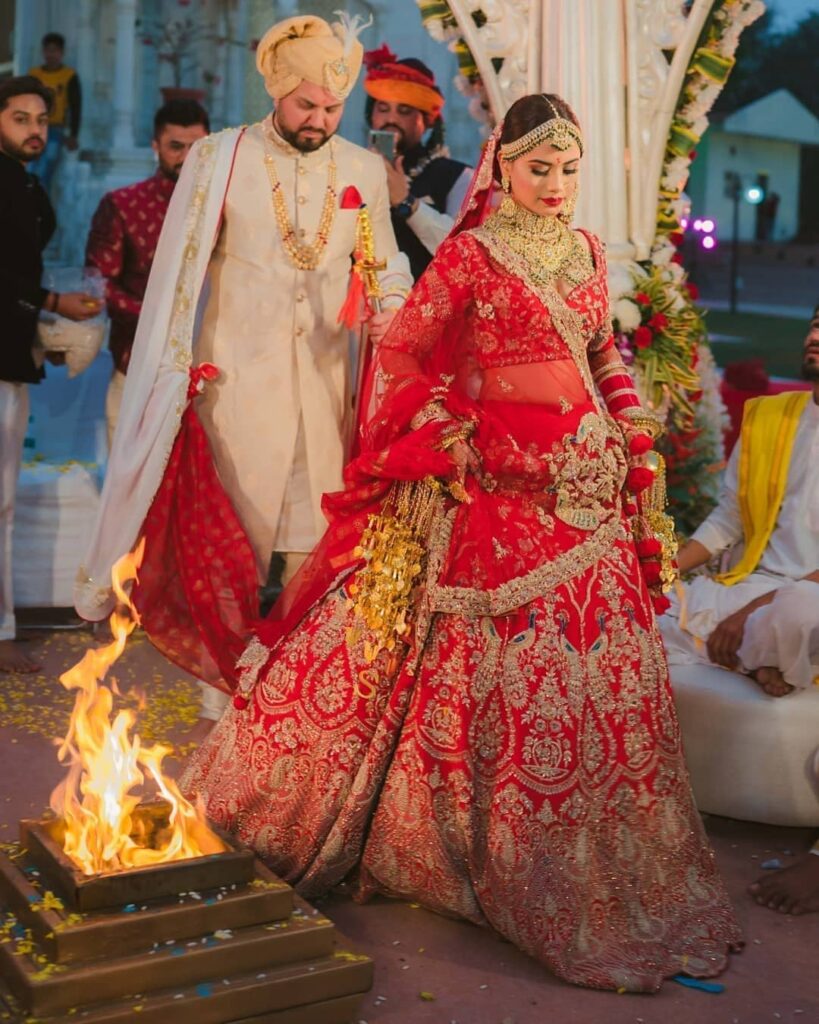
{"x":761,"y":617}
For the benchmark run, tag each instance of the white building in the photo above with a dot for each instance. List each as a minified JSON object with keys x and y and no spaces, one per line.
{"x":762,"y":143}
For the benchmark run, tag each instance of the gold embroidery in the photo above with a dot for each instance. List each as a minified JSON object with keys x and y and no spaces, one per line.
{"x":501,"y":600}
{"x":567,"y":322}
{"x":587,"y":486}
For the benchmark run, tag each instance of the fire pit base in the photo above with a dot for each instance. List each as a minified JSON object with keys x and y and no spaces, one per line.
{"x":251,"y":951}
{"x":43,"y":839}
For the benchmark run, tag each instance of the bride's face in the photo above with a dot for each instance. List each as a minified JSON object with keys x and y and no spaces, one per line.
{"x":545,"y":178}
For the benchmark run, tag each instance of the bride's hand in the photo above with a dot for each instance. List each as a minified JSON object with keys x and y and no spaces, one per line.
{"x":465,"y":459}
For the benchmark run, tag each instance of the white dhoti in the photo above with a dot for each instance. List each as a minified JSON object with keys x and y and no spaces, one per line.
{"x":783,"y":634}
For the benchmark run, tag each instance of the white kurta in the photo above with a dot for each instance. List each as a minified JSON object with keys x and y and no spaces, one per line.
{"x":785,"y":633}
{"x":432,"y":227}
{"x":273,"y":331}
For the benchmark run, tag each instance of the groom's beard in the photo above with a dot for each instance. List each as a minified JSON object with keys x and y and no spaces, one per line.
{"x":305,"y":140}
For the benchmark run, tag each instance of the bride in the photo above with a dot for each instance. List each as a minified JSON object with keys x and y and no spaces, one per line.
{"x":462,"y":699}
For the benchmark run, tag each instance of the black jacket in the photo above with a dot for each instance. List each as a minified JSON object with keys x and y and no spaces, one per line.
{"x":435,"y":182}
{"x":26,"y":224}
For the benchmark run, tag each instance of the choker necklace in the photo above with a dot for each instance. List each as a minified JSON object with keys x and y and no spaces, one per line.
{"x":549,"y":249}
{"x":303,"y":255}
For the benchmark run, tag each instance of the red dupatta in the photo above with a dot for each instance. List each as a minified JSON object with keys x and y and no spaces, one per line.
{"x":405,"y":374}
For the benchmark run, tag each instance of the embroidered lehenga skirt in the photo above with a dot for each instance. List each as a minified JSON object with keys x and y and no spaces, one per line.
{"x":519,"y":763}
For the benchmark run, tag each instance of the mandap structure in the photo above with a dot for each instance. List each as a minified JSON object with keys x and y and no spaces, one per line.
{"x":642,"y":76}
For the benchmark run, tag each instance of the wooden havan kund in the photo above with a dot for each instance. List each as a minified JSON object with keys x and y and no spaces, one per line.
{"x":208,"y":940}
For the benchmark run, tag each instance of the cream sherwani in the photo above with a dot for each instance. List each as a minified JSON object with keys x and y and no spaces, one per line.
{"x":277,"y":416}
{"x":223,"y":290}
{"x":785,"y":633}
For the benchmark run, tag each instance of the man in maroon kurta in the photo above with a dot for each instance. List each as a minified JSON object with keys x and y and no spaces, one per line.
{"x":125,"y":231}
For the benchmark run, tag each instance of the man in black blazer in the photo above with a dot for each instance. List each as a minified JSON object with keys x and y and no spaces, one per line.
{"x":26,"y":224}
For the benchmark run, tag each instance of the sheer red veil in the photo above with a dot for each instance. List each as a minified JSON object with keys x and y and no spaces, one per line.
{"x":388,"y":448}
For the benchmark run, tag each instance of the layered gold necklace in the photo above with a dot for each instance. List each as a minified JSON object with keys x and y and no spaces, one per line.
{"x":549,"y":249}
{"x":303,"y":255}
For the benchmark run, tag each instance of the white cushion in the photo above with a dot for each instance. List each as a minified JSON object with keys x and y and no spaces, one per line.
{"x":750,"y":756}
{"x":53,"y":516}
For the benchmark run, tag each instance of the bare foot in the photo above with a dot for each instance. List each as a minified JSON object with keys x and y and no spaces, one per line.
{"x":200,"y":732}
{"x":14,"y":659}
{"x":772,"y":682}
{"x":791,"y":890}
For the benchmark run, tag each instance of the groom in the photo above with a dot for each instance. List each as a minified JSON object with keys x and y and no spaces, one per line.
{"x":240,"y":327}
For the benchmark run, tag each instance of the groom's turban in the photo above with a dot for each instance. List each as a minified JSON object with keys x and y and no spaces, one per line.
{"x":308,"y":49}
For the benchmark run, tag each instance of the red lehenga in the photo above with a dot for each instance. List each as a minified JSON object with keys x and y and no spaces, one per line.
{"x":519,"y":762}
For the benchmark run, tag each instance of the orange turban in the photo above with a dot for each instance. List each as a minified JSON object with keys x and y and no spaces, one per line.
{"x":402,"y":81}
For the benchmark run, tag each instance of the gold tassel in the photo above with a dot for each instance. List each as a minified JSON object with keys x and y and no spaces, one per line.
{"x":659,"y":522}
{"x":394,"y":548}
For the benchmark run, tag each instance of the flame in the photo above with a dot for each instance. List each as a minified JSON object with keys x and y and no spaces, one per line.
{"x":95,"y":802}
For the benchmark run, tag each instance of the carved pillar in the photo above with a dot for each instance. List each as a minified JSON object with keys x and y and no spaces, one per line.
{"x":85,"y":59}
{"x":238,"y":58}
{"x":124,"y":74}
{"x":655,"y":28}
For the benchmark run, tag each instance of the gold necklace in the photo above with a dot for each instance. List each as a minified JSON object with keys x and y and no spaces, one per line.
{"x":550,"y":250}
{"x":303,"y":255}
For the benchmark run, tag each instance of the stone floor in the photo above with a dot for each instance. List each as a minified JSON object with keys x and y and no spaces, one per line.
{"x":431,"y":970}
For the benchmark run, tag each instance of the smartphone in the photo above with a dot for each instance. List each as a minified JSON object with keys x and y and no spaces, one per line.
{"x":383,"y":143}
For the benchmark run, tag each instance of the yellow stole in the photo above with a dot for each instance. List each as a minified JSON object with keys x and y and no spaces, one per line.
{"x":766,"y":442}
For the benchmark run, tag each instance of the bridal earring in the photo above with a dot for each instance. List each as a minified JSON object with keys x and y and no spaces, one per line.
{"x":507,"y":206}
{"x":567,"y":212}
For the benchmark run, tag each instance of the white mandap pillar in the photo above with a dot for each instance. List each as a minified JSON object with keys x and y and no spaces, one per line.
{"x":582,"y":58}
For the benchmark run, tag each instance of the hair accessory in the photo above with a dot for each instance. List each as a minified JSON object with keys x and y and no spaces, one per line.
{"x":559,"y":131}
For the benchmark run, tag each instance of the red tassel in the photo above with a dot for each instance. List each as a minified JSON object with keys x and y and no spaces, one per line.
{"x":350,"y":312}
{"x":640,"y":444}
{"x":651,"y":573}
{"x":661,"y":604}
{"x":639,"y":478}
{"x":240,"y":702}
{"x":650,"y":547}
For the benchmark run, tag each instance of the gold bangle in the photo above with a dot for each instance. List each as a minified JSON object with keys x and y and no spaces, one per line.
{"x":454,"y":438}
{"x":646,"y":423}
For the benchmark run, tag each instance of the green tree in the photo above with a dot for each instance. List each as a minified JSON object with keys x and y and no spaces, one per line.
{"x":768,"y":60}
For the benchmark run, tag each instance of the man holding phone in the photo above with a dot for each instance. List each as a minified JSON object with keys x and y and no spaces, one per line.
{"x":426,"y":186}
